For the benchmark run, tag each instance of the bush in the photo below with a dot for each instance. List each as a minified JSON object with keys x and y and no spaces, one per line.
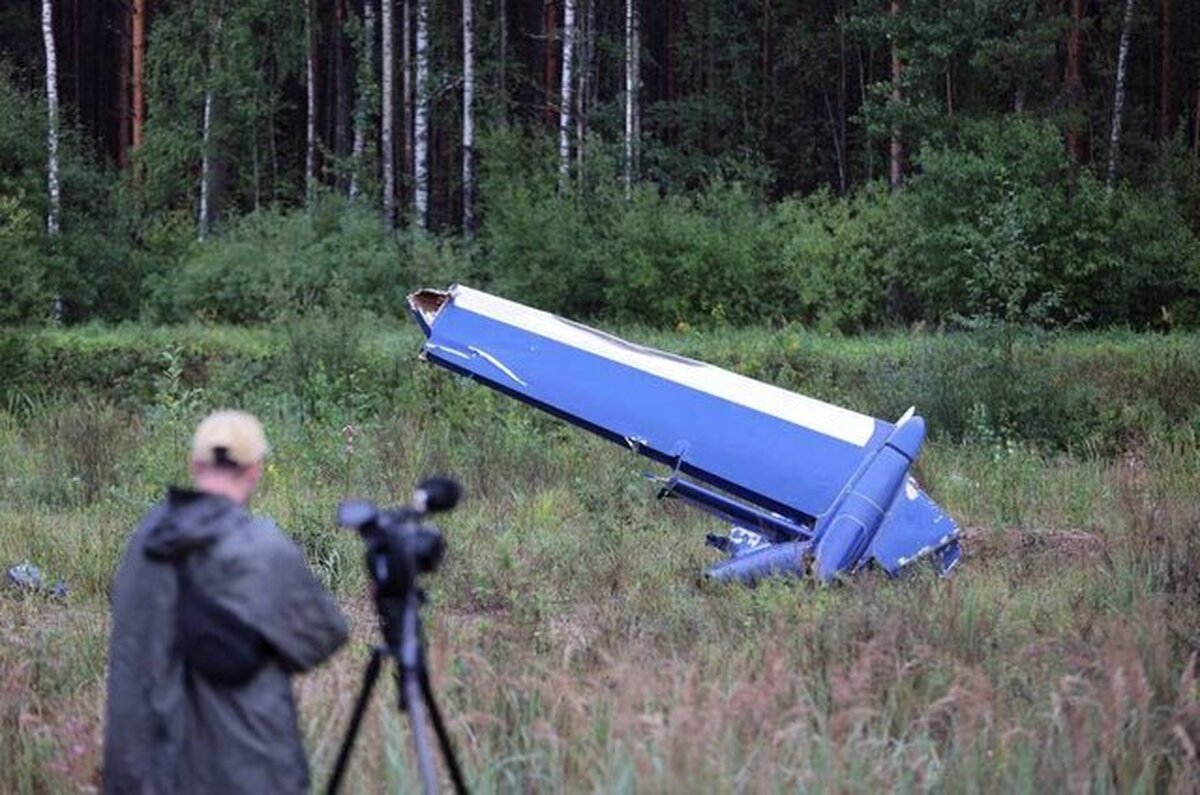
{"x":273,"y":262}
{"x":91,"y":265}
{"x":996,"y":231}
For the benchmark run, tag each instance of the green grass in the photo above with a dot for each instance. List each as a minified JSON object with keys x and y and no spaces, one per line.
{"x":573,"y":647}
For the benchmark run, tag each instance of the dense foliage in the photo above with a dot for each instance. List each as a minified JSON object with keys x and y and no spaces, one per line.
{"x":760,"y":193}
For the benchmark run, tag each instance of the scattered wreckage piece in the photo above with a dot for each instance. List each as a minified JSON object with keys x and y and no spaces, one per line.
{"x":807,"y":487}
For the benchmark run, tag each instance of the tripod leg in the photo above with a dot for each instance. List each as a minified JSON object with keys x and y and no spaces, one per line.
{"x":416,"y":720}
{"x":439,"y":726}
{"x":364,"y":695}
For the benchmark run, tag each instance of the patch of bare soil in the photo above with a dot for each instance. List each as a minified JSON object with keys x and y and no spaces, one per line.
{"x":984,"y":542}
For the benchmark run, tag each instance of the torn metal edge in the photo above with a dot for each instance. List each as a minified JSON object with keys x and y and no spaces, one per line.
{"x":424,"y":305}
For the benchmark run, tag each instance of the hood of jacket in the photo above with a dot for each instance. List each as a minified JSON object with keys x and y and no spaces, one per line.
{"x":191,"y":520}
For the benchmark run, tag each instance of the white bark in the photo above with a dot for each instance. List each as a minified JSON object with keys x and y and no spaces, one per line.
{"x":206,"y":169}
{"x":564,"y":108}
{"x":387,"y":144}
{"x":421,"y":119}
{"x":468,"y":124}
{"x":585,"y":86}
{"x":310,"y":148}
{"x":362,"y":113}
{"x":54,"y":213}
{"x":631,"y":92}
{"x":207,"y":165}
{"x":1114,"y":141}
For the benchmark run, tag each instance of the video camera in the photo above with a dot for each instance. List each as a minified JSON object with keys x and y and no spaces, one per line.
{"x":399,"y":545}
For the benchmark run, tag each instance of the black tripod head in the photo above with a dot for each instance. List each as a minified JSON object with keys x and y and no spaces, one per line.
{"x":400,"y":545}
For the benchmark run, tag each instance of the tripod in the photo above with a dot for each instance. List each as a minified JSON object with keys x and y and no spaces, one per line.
{"x":403,"y":643}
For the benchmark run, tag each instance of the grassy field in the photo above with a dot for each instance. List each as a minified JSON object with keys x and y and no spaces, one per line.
{"x":572,"y":645}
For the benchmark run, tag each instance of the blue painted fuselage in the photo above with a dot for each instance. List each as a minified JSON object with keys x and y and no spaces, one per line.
{"x":798,"y":471}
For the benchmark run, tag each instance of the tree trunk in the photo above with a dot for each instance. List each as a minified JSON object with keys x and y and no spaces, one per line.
{"x":206,"y":169}
{"x":842,"y":99}
{"x":54,"y":211}
{"x":124,"y":82}
{"x":421,"y":119}
{"x":387,"y":141}
{"x":896,"y":171}
{"x":1166,"y":114}
{"x":310,"y":83}
{"x":341,"y":132}
{"x":564,"y":110}
{"x":631,"y":91}
{"x":550,"y":34}
{"x":1114,"y":139}
{"x":139,"y":73}
{"x":406,"y":99}
{"x":362,"y":114}
{"x":1073,"y":82}
{"x":584,"y":85}
{"x":502,"y":71}
{"x":468,"y":121}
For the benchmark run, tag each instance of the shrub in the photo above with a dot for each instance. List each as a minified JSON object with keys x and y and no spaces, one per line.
{"x":272,"y":262}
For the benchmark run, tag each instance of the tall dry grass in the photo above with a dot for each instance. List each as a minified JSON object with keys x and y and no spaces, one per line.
{"x":573,"y":648}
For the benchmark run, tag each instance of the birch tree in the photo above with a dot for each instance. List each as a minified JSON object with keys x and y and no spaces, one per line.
{"x":421,"y":119}
{"x":362,"y":113}
{"x":207,"y":163}
{"x":54,"y":212}
{"x":387,"y":141}
{"x":632,"y":79}
{"x":1114,"y":139}
{"x":468,"y":113}
{"x":585,"y":89}
{"x":564,"y":109}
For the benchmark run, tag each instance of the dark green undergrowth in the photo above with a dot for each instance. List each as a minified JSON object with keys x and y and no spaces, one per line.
{"x":1089,"y":392}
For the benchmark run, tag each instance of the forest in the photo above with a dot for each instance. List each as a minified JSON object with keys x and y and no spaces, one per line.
{"x":988,"y":210}
{"x":846,"y":165}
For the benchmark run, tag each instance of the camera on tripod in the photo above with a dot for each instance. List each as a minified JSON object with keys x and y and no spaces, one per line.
{"x":399,"y":544}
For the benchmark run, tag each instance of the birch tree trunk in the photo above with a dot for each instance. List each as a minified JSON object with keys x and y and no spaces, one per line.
{"x":310,"y":82}
{"x":583,"y":85}
{"x":564,"y":109}
{"x":208,"y":164}
{"x":1114,"y":139}
{"x":631,"y":91}
{"x":387,"y":141}
{"x":896,"y":170}
{"x":54,"y":212}
{"x":421,"y":119}
{"x":468,"y":121}
{"x":362,"y":115}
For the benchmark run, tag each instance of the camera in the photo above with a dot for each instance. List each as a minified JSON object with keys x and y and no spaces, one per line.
{"x":399,"y":544}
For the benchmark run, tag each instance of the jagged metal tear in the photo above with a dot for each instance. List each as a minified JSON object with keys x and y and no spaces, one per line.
{"x":809,"y":487}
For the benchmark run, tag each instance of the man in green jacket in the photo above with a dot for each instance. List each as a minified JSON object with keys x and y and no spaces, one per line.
{"x":213,"y":610}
